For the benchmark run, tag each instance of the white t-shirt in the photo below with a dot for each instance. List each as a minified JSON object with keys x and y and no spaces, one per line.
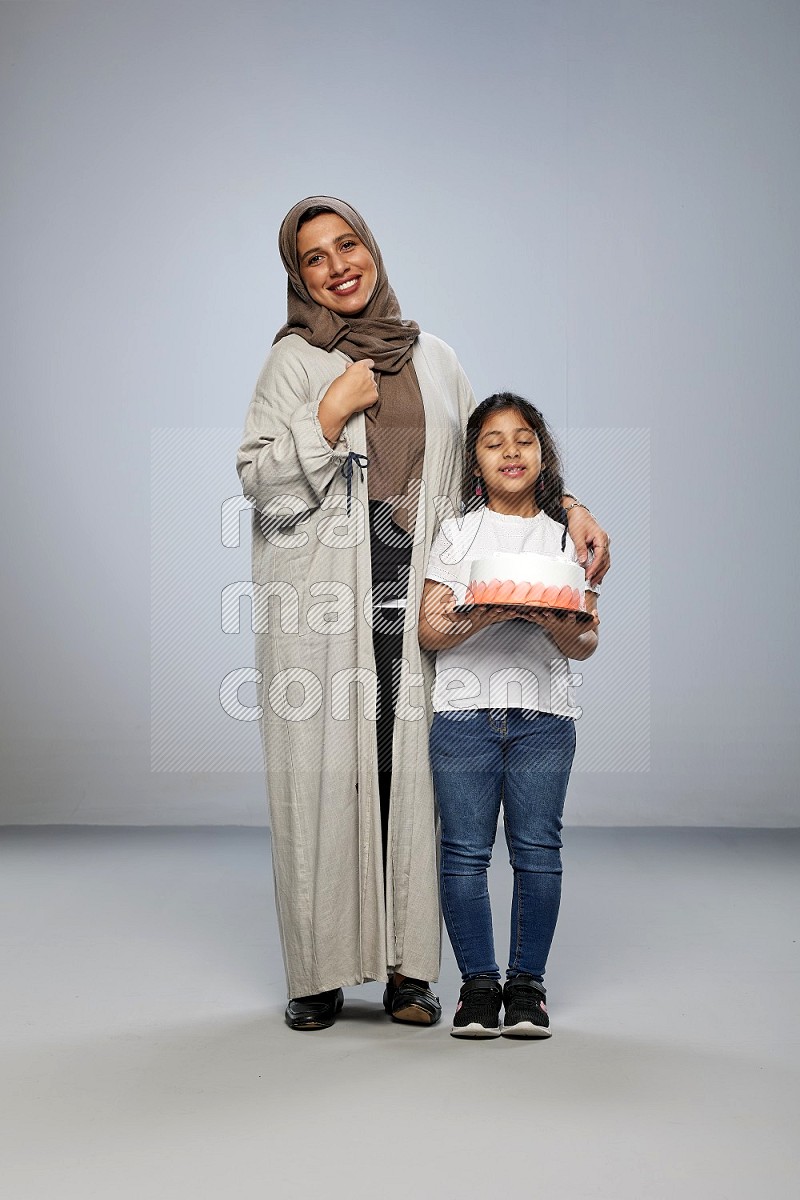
{"x":515,"y":664}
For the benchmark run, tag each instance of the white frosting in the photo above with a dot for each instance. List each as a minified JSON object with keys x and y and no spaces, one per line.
{"x":529,"y":568}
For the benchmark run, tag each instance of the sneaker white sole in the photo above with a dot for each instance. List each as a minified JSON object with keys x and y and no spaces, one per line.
{"x":526,"y":1029}
{"x":475,"y":1030}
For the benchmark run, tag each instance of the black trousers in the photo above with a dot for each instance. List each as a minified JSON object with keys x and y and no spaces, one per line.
{"x":387,"y":641}
{"x":390,"y":550}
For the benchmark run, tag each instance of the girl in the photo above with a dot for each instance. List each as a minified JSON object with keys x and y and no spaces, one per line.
{"x":503,"y":725}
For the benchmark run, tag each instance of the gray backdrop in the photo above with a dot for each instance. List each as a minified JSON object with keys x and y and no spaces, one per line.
{"x":595,"y":204}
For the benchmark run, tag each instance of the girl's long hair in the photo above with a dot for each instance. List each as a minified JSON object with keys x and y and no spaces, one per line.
{"x":550,"y":484}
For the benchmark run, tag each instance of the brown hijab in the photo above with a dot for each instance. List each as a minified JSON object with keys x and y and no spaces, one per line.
{"x":378,"y":332}
{"x":396,"y":423}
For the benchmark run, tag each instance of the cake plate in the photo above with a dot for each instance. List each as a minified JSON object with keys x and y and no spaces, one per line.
{"x":582,"y":618}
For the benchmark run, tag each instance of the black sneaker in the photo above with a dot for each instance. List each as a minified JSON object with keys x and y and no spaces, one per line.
{"x":478,"y":1009}
{"x":525,"y":1010}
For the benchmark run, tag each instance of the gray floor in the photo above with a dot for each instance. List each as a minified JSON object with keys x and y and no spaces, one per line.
{"x":144,"y":1052}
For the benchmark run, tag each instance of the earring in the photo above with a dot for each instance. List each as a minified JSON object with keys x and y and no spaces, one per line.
{"x":478,"y":488}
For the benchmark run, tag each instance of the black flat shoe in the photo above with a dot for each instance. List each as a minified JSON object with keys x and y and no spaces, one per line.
{"x":412,"y":1003}
{"x":314,"y":1012}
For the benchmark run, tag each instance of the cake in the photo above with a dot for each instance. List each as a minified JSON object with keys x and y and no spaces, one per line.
{"x":536,"y":579}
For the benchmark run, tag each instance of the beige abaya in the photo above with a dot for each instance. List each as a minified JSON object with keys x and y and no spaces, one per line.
{"x":311,"y":567}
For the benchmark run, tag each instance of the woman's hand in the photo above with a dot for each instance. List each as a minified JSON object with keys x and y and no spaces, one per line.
{"x":588,"y":535}
{"x":353,"y":391}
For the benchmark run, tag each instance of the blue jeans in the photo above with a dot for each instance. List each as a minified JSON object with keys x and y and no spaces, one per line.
{"x":479,"y":758}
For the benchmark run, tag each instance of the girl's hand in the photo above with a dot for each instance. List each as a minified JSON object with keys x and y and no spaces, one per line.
{"x":573,"y":640}
{"x":557,"y":623}
{"x":441,"y":627}
{"x":588,"y":535}
{"x":493,"y":614}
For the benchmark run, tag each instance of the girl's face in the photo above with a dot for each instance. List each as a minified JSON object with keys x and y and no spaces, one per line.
{"x":509,"y":461}
{"x":336,"y":267}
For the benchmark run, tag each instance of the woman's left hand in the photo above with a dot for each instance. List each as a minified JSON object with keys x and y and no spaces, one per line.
{"x":588,"y":535}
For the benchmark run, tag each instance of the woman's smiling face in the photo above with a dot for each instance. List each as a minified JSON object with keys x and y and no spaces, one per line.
{"x":336,"y":267}
{"x":509,"y":458}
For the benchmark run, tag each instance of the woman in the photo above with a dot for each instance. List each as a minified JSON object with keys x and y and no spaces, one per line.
{"x":339,"y":556}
